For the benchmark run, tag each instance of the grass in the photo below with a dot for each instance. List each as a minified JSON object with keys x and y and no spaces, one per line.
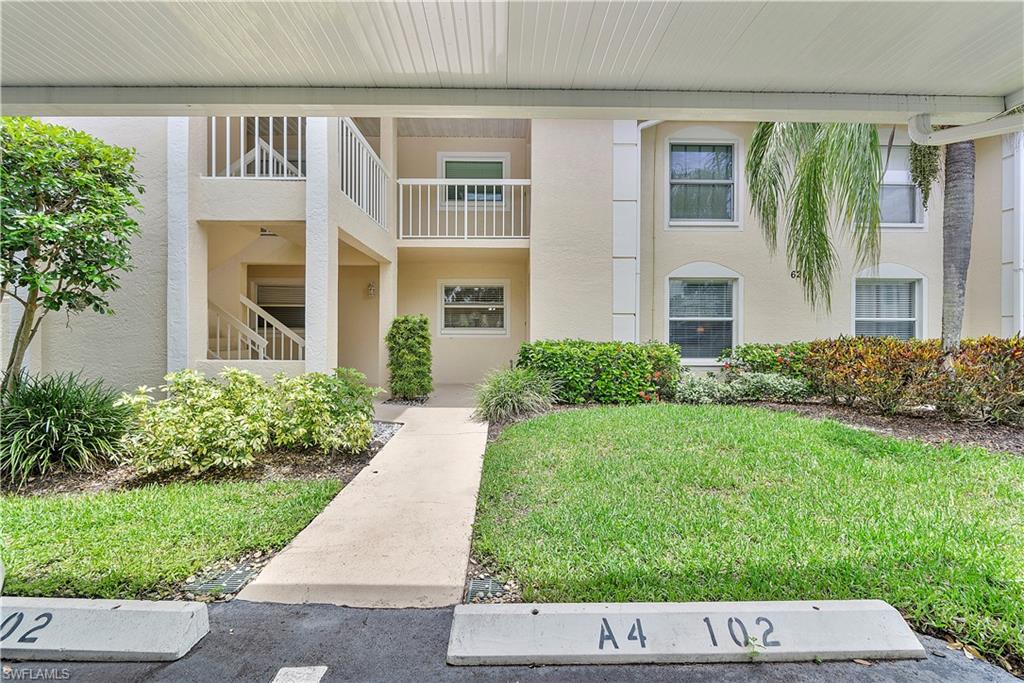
{"x":144,"y":542}
{"x":694,"y":503}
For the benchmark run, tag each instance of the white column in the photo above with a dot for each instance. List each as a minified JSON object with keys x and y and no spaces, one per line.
{"x":625,"y":231}
{"x":177,"y":244}
{"x":389,"y":155}
{"x":1013,"y":234}
{"x":321,"y":253}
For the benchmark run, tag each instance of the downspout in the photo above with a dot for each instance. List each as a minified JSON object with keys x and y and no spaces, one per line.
{"x":640,"y":217}
{"x":920,"y":129}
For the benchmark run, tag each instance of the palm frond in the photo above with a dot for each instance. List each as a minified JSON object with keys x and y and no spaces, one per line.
{"x":817,"y":180}
{"x":809,"y":247}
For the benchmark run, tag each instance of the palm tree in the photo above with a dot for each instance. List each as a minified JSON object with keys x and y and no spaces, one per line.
{"x":821,"y":180}
{"x":824,"y":178}
{"x":957,"y":224}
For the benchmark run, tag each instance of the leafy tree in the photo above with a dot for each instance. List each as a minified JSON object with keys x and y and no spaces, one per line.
{"x":818,"y":179}
{"x":65,"y":223}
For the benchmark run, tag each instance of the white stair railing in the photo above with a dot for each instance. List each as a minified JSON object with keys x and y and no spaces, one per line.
{"x":231,"y":339}
{"x":282,"y":342}
{"x":270,"y":147}
{"x":438,"y":208}
{"x":363,"y":176}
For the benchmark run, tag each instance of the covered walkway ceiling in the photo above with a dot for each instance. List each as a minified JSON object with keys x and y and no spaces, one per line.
{"x":878,"y":61}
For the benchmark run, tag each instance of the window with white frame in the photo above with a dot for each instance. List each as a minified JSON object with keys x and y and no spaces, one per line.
{"x":702,"y":183}
{"x":900,"y":199}
{"x":887,"y":308}
{"x":701,"y":316}
{"x":473,"y":308}
{"x":473,"y":167}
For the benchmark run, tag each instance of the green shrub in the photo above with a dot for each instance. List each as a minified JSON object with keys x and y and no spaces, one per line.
{"x":409,"y":359}
{"x":58,"y":421}
{"x":768,"y":386}
{"x":604,"y":372}
{"x":703,"y":389}
{"x":202,"y":424}
{"x":786,"y":359}
{"x":516,"y":392}
{"x":327,"y":412}
{"x":746,"y":386}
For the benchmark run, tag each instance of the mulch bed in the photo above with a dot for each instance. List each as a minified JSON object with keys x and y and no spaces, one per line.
{"x":271,"y":466}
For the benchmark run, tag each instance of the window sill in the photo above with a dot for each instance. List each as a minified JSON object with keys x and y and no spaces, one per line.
{"x":702,"y":362}
{"x":474,"y":333}
{"x":732,"y":226}
{"x":904,"y":227}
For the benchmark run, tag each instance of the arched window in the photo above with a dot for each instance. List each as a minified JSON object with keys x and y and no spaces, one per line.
{"x":702,"y":306}
{"x":889,"y":301}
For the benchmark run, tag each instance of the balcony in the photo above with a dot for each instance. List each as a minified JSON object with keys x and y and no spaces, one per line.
{"x":259,"y":147}
{"x":438,"y":208}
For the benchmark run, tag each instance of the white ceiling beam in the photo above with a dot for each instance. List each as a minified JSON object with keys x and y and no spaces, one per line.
{"x":493,"y":103}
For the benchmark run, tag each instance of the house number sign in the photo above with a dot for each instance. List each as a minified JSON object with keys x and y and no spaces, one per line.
{"x":620,"y":633}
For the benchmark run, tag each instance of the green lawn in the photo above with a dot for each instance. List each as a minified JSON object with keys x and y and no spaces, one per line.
{"x":142,"y":542}
{"x":681,"y":503}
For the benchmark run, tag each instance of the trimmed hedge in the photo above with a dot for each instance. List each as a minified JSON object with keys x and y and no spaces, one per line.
{"x":605,"y":372}
{"x":409,"y":357}
{"x":986,"y":382}
{"x":784,"y":359}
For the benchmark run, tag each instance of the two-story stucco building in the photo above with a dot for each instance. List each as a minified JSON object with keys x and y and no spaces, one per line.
{"x":511,"y":170}
{"x":290,"y":243}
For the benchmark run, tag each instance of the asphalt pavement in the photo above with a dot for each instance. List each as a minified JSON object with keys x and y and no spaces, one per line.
{"x":251,"y":641}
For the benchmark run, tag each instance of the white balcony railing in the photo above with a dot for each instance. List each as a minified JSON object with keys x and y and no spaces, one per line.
{"x":436,"y":208}
{"x":363,"y":176}
{"x":272,"y":147}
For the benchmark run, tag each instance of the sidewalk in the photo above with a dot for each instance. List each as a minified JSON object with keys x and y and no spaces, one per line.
{"x":398,"y":535}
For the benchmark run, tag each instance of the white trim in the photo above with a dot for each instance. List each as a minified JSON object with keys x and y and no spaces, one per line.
{"x":178,"y":245}
{"x":706,"y":135}
{"x":705,"y":271}
{"x":670,"y":105}
{"x":894,"y":272}
{"x":505,"y":284}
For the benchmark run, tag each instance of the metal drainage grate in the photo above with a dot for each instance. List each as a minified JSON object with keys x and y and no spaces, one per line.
{"x":486,"y":587}
{"x":230,"y":581}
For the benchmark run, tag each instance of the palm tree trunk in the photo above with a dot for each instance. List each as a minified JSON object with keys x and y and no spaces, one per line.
{"x":957,"y":223}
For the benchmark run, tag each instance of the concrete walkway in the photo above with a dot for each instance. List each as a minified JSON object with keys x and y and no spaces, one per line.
{"x":398,"y":535}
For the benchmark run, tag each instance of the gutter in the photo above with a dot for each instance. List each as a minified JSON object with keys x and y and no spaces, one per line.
{"x":920,"y":129}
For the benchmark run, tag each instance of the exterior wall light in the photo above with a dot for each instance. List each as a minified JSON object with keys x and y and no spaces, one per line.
{"x":371,"y":290}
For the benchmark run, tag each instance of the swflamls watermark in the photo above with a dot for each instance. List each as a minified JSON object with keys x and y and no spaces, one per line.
{"x":35,"y":673}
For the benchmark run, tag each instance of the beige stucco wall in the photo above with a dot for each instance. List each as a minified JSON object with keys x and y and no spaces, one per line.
{"x":358,"y":314}
{"x":129,"y":348}
{"x":983,"y":311}
{"x":465,"y":358}
{"x":772,"y":307}
{"x":571,"y":229}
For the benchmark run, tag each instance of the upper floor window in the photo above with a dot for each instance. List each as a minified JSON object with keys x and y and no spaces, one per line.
{"x":702,"y":183}
{"x":887,"y":308}
{"x":900,"y":199}
{"x":473,"y":167}
{"x":473,"y":308}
